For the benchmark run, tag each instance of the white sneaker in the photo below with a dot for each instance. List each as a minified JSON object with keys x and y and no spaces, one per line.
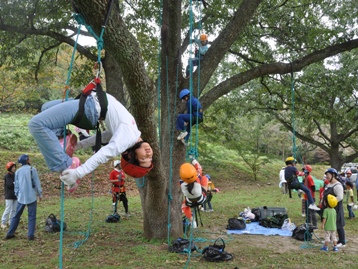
{"x":128,"y":215}
{"x":182,"y":135}
{"x":304,"y":215}
{"x":3,"y":226}
{"x":340,"y":245}
{"x":314,"y":207}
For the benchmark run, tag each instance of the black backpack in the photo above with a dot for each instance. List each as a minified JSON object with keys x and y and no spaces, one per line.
{"x":115,"y":217}
{"x":216,"y":252}
{"x":236,"y":224}
{"x":53,"y":225}
{"x":182,"y":245}
{"x":301,"y":233}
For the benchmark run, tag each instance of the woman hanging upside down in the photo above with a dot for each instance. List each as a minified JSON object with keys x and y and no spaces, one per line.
{"x":122,"y":136}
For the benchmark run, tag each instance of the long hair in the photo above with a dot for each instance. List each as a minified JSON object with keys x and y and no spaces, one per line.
{"x":130,"y":154}
{"x":190,"y":187}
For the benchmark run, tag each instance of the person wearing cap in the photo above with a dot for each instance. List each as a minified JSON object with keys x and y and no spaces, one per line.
{"x":291,"y":173}
{"x":121,"y":135}
{"x":117,"y":178}
{"x":27,"y":190}
{"x":10,"y":197}
{"x":335,"y":188}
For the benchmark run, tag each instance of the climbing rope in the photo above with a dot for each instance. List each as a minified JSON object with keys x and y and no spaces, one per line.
{"x":78,"y":17}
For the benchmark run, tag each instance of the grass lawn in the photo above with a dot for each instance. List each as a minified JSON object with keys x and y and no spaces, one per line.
{"x":121,"y":245}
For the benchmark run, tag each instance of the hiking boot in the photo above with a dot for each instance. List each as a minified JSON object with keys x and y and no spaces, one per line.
{"x":9,"y":236}
{"x":3,"y":226}
{"x":314,"y":207}
{"x":324,"y":248}
{"x":71,"y":141}
{"x":335,"y":249}
{"x":182,"y":135}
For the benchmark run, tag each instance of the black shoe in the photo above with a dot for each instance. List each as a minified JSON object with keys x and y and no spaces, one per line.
{"x":31,"y":238}
{"x":8,"y":236}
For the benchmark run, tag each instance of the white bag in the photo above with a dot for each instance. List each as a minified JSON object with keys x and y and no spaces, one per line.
{"x":288,"y":225}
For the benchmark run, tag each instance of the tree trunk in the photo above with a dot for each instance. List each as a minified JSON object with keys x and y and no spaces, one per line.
{"x":160,"y":190}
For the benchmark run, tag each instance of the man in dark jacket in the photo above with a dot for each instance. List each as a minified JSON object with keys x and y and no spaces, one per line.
{"x":10,"y":198}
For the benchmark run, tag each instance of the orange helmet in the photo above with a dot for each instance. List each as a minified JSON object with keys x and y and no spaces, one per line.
{"x":9,"y":165}
{"x":203,"y":37}
{"x":188,"y":172}
{"x":308,"y":168}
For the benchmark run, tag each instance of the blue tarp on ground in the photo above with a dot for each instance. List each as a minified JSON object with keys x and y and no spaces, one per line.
{"x":255,"y":228}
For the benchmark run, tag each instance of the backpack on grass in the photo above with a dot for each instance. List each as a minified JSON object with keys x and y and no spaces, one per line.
{"x":236,"y":224}
{"x":303,"y":232}
{"x":182,"y":245}
{"x":53,"y":225}
{"x":216,"y":252}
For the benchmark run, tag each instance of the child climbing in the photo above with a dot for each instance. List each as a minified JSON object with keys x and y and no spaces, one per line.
{"x":117,"y":178}
{"x":291,"y":173}
{"x":193,"y":188}
{"x":121,"y":133}
{"x":194,"y":113}
{"x":202,"y":43}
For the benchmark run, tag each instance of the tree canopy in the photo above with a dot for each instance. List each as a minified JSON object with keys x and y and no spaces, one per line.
{"x":253,"y":44}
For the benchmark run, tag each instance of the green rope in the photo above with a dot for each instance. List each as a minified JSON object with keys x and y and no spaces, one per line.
{"x":87,"y":234}
{"x":62,"y":197}
{"x":294,"y":149}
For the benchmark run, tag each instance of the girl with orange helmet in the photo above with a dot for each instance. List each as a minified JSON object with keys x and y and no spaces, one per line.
{"x":193,"y":185}
{"x":10,"y":197}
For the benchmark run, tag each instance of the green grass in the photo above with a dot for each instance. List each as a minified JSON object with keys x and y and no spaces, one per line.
{"x":121,"y":245}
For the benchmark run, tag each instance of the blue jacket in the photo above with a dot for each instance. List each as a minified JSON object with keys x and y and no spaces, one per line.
{"x":196,"y":108}
{"x":27,"y":188}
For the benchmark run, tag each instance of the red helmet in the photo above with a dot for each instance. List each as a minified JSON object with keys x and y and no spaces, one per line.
{"x":9,"y":165}
{"x":308,"y":168}
{"x":348,"y":172}
{"x":134,"y":170}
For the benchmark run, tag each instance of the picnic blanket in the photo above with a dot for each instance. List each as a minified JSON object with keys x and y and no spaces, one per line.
{"x":255,"y":228}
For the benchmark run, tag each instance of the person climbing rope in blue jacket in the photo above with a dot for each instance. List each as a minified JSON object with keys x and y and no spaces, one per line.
{"x":194,"y":112}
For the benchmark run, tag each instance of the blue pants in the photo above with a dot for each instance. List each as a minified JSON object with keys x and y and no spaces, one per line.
{"x":46,"y":126}
{"x":307,"y":192}
{"x":193,"y":62}
{"x":350,"y":211}
{"x":185,"y":118}
{"x":31,"y":211}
